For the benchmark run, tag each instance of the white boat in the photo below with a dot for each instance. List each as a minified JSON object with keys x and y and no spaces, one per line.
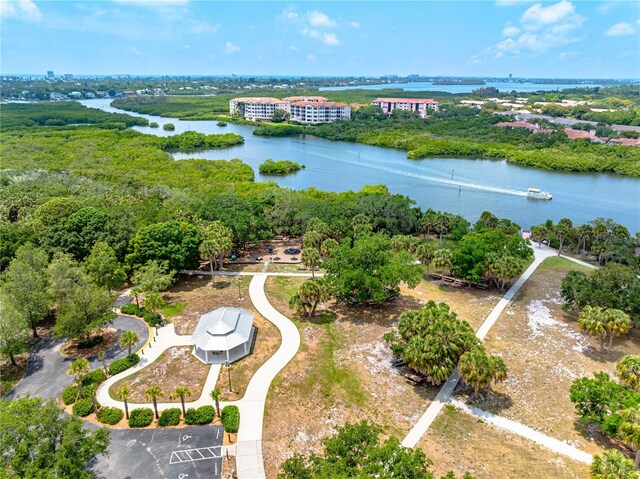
{"x":538,"y":194}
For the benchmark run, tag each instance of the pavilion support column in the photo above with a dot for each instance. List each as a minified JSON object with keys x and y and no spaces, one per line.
{"x":227,"y":355}
{"x":206,"y":355}
{"x":245,"y":348}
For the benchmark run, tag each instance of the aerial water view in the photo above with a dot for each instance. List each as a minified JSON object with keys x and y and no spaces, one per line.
{"x":320,"y":239}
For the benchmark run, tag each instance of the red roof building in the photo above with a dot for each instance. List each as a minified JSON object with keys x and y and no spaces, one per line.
{"x":423,"y":106}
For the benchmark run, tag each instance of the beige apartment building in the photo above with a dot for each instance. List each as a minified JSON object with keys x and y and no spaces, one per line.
{"x":423,"y":106}
{"x":257,"y":108}
{"x":311,"y":112}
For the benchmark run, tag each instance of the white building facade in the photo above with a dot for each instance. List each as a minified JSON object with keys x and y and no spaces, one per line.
{"x":257,"y":108}
{"x":422,"y":106}
{"x":313,"y":112}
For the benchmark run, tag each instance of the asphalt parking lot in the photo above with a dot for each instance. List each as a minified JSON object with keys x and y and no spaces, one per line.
{"x":184,"y":453}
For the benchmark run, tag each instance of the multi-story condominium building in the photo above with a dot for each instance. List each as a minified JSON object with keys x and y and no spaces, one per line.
{"x":257,"y":108}
{"x":422,"y":106}
{"x":291,"y":99}
{"x":319,"y":111}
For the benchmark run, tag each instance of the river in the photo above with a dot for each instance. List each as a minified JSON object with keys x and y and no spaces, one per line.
{"x":464,"y":186}
{"x":502,"y":86}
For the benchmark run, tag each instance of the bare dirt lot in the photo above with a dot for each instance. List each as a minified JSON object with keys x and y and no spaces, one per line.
{"x":176,"y":367}
{"x":545,"y":351}
{"x":343,"y":371}
{"x":461,"y":443}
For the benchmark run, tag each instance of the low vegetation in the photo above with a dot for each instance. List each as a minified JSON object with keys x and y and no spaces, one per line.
{"x":141,"y":417}
{"x":279,"y":167}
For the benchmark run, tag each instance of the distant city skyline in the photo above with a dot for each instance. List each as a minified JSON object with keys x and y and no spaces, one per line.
{"x":557,"y":39}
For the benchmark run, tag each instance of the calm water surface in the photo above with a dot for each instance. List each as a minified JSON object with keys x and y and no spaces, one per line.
{"x":463,"y":186}
{"x":429,"y":86}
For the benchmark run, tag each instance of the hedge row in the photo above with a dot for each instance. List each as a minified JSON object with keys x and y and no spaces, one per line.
{"x":94,"y":377}
{"x":123,"y":364}
{"x":141,"y":417}
{"x":109,"y":415}
{"x":83,"y":407}
{"x":133,"y":310}
{"x":200,"y":416}
{"x":70,"y":395}
{"x":170,"y":417}
{"x":230,"y":418}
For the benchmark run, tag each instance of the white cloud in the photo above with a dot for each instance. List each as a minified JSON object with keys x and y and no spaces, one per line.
{"x":621,"y":29}
{"x":202,"y":28}
{"x":135,"y":51}
{"x":319,"y":19}
{"x":537,"y":15}
{"x":311,"y":57}
{"x":566,"y":55}
{"x":24,"y":10}
{"x":354,"y":24}
{"x":230,"y":48}
{"x":329,"y":39}
{"x":510,"y":31}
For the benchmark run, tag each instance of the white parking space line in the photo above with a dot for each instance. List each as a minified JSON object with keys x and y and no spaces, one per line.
{"x":178,"y":457}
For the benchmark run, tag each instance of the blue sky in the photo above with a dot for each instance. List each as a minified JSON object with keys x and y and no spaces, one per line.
{"x":562,"y":39}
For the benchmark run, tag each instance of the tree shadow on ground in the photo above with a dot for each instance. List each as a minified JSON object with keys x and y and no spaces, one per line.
{"x":385,"y":314}
{"x":491,"y":401}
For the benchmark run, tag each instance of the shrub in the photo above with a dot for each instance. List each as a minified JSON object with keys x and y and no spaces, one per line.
{"x":152,"y":319}
{"x":222,"y":123}
{"x":200,"y":416}
{"x":230,"y":418}
{"x":109,"y":415}
{"x":153,"y":124}
{"x":83,"y":407}
{"x":70,"y":395}
{"x":94,"y":377}
{"x":170,"y":417}
{"x":133,"y":309}
{"x":91,"y":342}
{"x":168,"y":127}
{"x":141,"y":417}
{"x":123,"y":364}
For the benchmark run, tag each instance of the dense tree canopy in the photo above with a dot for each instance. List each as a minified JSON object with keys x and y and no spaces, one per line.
{"x":38,"y":441}
{"x":366,"y":270}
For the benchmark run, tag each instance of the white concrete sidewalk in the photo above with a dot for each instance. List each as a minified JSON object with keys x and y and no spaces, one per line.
{"x":250,"y":464}
{"x":166,"y":338}
{"x":514,"y":427}
{"x":197,"y":272}
{"x":443,"y":396}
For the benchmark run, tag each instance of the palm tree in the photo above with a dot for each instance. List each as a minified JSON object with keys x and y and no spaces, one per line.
{"x":442,"y":224}
{"x":479,"y":369}
{"x":584,"y":233}
{"x":563,"y":229}
{"x":616,"y":322}
{"x":215,"y":395}
{"x":328,"y":247}
{"x":91,"y":390}
{"x":312,"y":293}
{"x":183,"y":393}
{"x":613,"y":465}
{"x":78,"y":369}
{"x":442,"y":259}
{"x":425,"y":252}
{"x":123,"y":395}
{"x":310,"y":258}
{"x":128,"y":340}
{"x":630,"y":430}
{"x":135,"y":291}
{"x":628,"y":370}
{"x":154,"y":393}
{"x":103,"y":360}
{"x":427,"y":222}
{"x":153,"y":302}
{"x":590,"y":321}
{"x":312,"y":239}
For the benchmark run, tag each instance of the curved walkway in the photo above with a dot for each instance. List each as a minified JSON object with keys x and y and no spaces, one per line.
{"x":165,"y":338}
{"x":46,"y":375}
{"x":250,"y":464}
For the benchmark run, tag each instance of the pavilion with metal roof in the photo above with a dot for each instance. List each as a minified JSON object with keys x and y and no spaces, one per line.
{"x":223,"y":335}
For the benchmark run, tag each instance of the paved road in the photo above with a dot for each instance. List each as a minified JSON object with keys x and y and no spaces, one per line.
{"x":47,"y":376}
{"x":185,"y":453}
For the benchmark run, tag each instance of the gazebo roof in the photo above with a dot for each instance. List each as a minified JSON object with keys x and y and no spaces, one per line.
{"x":223,"y":329}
